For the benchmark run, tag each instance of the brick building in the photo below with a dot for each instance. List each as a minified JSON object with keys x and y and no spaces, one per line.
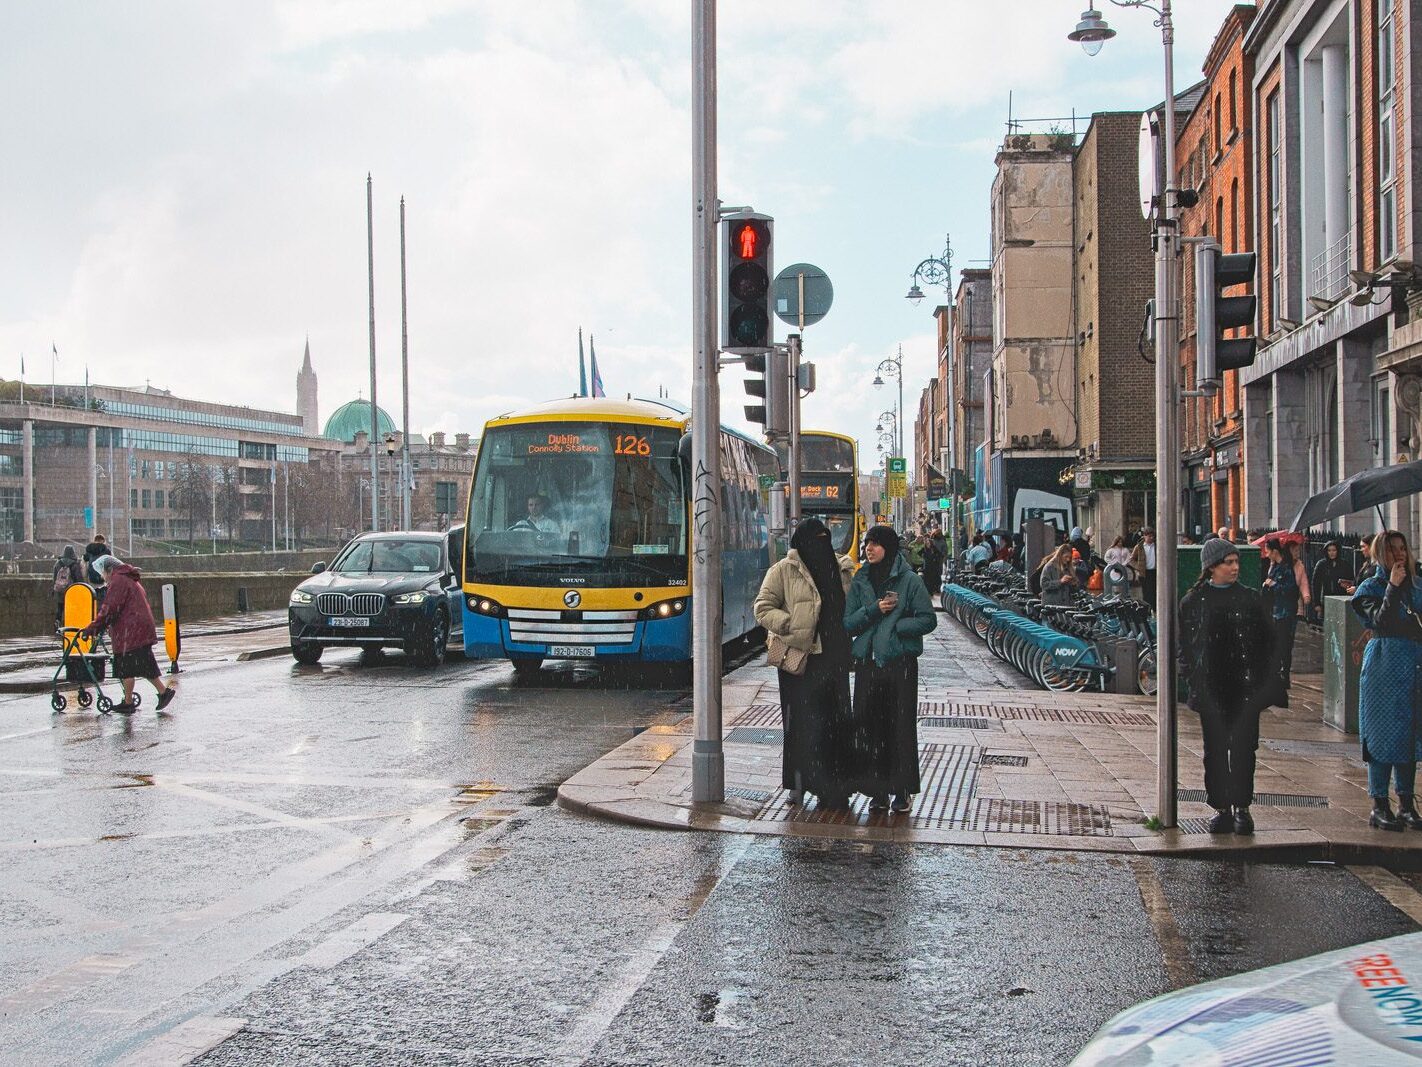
{"x":1333,"y":390}
{"x":1215,"y":159}
{"x":1113,"y":476}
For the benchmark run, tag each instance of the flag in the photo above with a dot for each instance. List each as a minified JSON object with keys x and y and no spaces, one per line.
{"x":582,"y":367}
{"x":596,"y":377}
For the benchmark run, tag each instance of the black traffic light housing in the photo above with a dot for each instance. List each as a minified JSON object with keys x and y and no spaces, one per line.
{"x":746,"y":273}
{"x":1215,"y":313}
{"x":772,"y":388}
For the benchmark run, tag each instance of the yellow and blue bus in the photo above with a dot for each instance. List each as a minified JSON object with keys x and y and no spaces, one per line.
{"x":578,"y":530}
{"x":829,"y":487}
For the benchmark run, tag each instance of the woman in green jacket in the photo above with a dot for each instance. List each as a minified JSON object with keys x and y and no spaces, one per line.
{"x":888,"y":611}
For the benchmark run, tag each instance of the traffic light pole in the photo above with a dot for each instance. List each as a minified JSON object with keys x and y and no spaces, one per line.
{"x":793,"y":344}
{"x":708,"y":767}
{"x":1167,"y":451}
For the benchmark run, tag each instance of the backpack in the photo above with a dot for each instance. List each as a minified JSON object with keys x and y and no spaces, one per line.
{"x":63,"y":577}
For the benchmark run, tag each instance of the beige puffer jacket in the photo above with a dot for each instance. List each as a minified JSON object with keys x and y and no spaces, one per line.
{"x":788,"y":603}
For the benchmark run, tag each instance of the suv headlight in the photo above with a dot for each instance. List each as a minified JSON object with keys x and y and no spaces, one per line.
{"x":299,"y":596}
{"x":411,"y":598}
{"x":665,"y":610}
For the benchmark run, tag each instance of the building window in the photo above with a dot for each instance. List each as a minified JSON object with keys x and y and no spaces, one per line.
{"x":1380,"y":421}
{"x":133,"y":498}
{"x":1387,"y":133}
{"x":1219,"y":141}
{"x":148,"y":498}
{"x":1276,"y":212}
{"x":158,"y":499}
{"x":1233,"y":102}
{"x":1233,"y":216}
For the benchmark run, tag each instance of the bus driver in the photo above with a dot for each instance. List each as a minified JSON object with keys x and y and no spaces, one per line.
{"x":536,"y":517}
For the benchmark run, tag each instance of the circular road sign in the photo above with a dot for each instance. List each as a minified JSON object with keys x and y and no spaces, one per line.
{"x":819,"y":294}
{"x":1147,"y":157}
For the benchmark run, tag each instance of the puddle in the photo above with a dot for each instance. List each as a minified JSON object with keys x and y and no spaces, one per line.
{"x":138,"y":781}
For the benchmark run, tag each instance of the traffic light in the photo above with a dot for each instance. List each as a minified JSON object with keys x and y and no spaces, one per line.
{"x":773,"y":389}
{"x":1214,"y":313}
{"x":746,"y":271}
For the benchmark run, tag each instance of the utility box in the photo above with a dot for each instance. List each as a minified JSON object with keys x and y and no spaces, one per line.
{"x":1039,"y":538}
{"x":1344,"y":639}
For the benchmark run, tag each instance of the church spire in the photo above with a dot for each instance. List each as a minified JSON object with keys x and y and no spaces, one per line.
{"x":306,"y":394}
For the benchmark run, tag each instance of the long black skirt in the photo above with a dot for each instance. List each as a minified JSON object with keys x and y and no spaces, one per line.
{"x":886,"y":727}
{"x":816,"y":714}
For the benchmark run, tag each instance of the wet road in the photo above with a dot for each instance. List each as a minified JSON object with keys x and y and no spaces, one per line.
{"x":345,"y":864}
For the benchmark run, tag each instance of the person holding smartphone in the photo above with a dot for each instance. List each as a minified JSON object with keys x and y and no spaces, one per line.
{"x":887,"y":612}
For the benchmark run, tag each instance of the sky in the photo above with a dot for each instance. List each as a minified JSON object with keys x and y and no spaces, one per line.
{"x":183,"y":200}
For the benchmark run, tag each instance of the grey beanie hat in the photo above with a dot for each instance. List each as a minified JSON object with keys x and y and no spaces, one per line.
{"x":1214,"y":551}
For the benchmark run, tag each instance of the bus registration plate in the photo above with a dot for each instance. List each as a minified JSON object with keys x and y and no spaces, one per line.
{"x":572,"y":651}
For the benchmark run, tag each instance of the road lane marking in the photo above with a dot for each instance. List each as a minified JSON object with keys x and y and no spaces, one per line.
{"x":344,"y":944}
{"x":53,"y":988}
{"x":1391,"y":888}
{"x":185,"y":1042}
{"x":1174,"y":950}
{"x":639,"y":964}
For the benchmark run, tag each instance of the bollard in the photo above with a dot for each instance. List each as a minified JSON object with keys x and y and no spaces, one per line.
{"x":1124,"y":653}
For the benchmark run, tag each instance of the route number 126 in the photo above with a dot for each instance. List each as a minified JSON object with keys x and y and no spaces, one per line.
{"x":627,"y":444}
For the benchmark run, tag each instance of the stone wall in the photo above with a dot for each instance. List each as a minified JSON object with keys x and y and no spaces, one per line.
{"x":298,"y":562}
{"x":27,"y":603}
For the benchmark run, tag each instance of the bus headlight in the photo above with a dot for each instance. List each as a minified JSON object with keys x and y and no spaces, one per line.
{"x":482,"y":605}
{"x":665,"y":610}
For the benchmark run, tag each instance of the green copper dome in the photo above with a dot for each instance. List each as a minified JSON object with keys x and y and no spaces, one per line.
{"x":349,"y":419}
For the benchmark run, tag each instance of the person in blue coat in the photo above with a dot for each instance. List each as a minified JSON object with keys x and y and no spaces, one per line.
{"x":1390,"y":687}
{"x":887,"y":612}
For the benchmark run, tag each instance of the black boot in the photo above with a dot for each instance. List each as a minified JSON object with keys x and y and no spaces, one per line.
{"x":1382,"y":817}
{"x":1222,"y":822}
{"x":1243,"y":821}
{"x":1407,"y":811}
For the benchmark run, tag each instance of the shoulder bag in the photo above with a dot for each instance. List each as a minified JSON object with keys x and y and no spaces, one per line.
{"x":782,"y":657}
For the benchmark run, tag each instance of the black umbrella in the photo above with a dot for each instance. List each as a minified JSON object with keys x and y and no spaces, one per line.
{"x":1370,"y":488}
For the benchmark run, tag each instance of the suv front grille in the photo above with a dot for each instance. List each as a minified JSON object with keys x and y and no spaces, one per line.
{"x":350,"y":604}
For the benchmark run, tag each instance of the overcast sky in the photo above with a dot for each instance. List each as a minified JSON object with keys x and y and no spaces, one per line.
{"x":183,"y":194}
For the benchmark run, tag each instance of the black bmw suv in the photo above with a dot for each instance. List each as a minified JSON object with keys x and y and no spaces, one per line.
{"x":385,"y":590}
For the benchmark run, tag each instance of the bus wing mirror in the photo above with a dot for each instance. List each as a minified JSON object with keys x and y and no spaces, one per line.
{"x":683,"y":453}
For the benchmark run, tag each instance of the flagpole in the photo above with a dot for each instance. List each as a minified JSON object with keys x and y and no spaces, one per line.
{"x":22,"y":377}
{"x":405,"y":517}
{"x":53,"y":359}
{"x":374,"y":410}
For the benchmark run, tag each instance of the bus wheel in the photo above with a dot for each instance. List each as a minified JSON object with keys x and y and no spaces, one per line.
{"x":527,"y":666}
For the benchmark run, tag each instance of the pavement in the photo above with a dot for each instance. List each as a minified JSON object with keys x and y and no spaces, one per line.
{"x":1007,"y":764}
{"x":28,"y":664}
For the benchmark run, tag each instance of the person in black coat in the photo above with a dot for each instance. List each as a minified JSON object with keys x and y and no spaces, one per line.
{"x":1331,"y":577}
{"x":1227,"y":653}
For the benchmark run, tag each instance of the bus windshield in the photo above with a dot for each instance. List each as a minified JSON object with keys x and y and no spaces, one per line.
{"x":600,"y":500}
{"x":841,"y":528}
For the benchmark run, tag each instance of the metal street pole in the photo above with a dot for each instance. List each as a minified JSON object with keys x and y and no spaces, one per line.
{"x":708,"y":767}
{"x":793,"y":343}
{"x":374,"y":410}
{"x":1167,"y":451}
{"x":405,"y":387}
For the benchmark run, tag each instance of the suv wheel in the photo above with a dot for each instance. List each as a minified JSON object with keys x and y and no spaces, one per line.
{"x":306,"y":652}
{"x":428,"y":646}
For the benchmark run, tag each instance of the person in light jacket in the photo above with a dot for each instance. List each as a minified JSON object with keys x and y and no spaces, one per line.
{"x":887,"y":613}
{"x":128,"y":617}
{"x":1226,"y":649}
{"x":1059,"y":582}
{"x":801,"y":603}
{"x":1390,"y":686}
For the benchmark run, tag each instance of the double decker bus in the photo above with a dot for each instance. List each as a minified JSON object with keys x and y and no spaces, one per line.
{"x":578,"y":531}
{"x":829,"y":487}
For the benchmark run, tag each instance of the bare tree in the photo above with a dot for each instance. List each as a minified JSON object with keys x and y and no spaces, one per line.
{"x":226,"y":476}
{"x":194,"y":490}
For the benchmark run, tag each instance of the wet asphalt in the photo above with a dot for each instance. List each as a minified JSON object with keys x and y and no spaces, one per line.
{"x":362,"y":864}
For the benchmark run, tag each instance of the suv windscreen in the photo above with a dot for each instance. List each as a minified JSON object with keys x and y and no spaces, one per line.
{"x":389,"y":557}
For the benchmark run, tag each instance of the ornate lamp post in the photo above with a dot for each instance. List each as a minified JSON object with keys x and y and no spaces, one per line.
{"x":938,"y":270}
{"x":1091,"y":33}
{"x":894,"y":368}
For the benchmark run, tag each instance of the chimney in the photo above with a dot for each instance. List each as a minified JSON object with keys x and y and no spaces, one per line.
{"x":437,"y":439}
{"x":461,"y":442}
{"x":362,"y":440}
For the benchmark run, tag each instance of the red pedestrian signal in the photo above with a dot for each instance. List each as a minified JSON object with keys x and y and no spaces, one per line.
{"x":748,"y":241}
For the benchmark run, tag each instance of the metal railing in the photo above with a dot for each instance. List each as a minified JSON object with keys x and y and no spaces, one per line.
{"x":1329,"y":275}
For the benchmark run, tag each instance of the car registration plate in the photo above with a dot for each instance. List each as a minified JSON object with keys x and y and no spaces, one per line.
{"x":349,"y":620}
{"x":572,"y":651}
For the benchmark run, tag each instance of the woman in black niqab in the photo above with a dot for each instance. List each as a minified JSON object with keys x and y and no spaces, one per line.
{"x":888,"y":540}
{"x":801,"y":601}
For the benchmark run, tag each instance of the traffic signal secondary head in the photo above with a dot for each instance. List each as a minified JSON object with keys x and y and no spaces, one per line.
{"x":1215,"y":312}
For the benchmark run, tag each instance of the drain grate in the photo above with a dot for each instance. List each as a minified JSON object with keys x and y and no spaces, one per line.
{"x":760,"y":715}
{"x":1200,"y":825}
{"x":956,"y":722}
{"x":1009,"y":712}
{"x":1042,"y":817}
{"x":1277,"y":800}
{"x":948,"y":774}
{"x":750,"y":735}
{"x":1001,"y":759}
{"x":758,"y":795}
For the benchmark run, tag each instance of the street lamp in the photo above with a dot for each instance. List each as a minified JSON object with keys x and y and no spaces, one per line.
{"x":894,"y":368}
{"x":390,"y":455}
{"x":938,"y":270}
{"x":1092,"y":31}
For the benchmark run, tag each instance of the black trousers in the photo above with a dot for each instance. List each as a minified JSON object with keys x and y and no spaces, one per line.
{"x":1230,"y":744}
{"x":1284,"y":631}
{"x":1148,"y":588}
